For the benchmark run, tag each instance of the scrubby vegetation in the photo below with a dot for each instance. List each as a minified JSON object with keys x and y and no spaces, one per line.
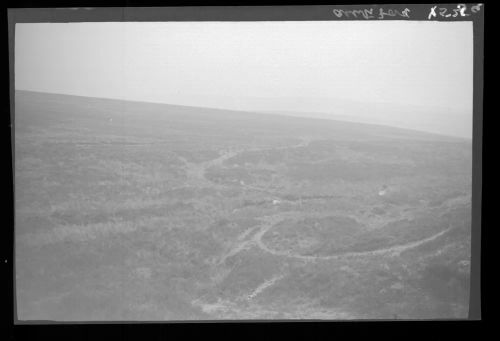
{"x":158,"y":212}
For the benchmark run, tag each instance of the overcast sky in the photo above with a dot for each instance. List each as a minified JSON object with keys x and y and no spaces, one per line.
{"x":283,"y":66}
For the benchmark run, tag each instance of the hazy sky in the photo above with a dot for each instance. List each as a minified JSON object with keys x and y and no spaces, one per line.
{"x":253,"y":65}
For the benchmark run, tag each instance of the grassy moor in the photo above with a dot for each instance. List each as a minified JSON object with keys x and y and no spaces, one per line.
{"x":143,"y":211}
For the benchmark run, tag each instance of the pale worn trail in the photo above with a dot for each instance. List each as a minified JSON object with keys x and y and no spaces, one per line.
{"x":265,"y":285}
{"x":269,"y":221}
{"x":243,"y":242}
{"x":196,"y":172}
{"x":396,"y":249}
{"x":253,"y":237}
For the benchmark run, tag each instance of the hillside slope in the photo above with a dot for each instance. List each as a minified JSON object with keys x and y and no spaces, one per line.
{"x":142,"y":211}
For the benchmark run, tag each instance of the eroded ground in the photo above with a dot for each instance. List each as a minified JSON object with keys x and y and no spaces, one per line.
{"x":151,"y":212}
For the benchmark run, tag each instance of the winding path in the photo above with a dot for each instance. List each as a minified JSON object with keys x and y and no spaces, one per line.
{"x":269,"y":221}
{"x":244,"y":242}
{"x":396,"y":249}
{"x":197,"y":171}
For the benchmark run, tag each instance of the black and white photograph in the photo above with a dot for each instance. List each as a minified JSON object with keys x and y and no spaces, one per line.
{"x":243,"y":170}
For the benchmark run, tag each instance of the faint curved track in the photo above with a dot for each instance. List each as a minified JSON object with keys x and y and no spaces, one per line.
{"x":270,"y":221}
{"x":396,"y":249}
{"x":197,"y":171}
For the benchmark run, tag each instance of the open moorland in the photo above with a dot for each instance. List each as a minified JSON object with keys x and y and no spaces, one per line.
{"x":142,"y":211}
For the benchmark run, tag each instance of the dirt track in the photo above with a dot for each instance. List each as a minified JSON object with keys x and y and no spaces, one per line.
{"x":396,"y":249}
{"x":246,"y":242}
{"x":269,"y":221}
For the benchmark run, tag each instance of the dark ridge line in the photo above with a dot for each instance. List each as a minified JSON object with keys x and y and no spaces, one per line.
{"x":258,"y":113}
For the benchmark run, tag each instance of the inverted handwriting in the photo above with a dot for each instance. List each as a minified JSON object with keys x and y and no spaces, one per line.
{"x":393,"y":13}
{"x":459,"y":11}
{"x":368,"y":13}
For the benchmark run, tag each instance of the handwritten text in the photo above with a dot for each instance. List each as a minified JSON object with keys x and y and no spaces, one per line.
{"x":371,"y":13}
{"x":459,"y":11}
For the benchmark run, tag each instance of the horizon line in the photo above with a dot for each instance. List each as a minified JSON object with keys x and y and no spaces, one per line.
{"x":261,"y":112}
